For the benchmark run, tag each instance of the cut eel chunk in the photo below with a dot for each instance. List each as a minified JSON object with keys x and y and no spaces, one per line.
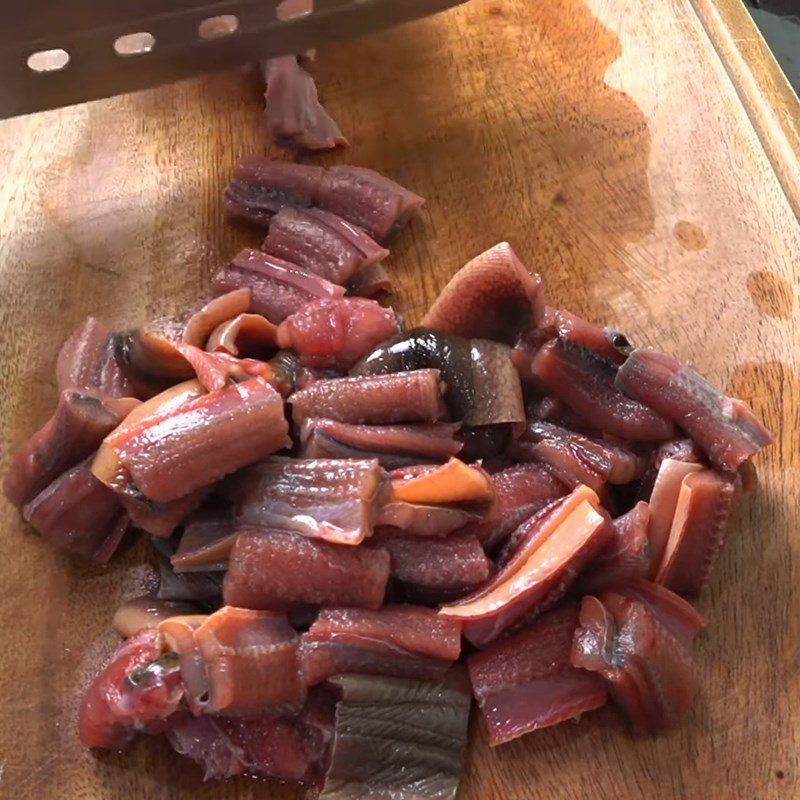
{"x":725,"y":428}
{"x":700,"y":525}
{"x":375,"y":400}
{"x":331,"y":499}
{"x":278,"y":288}
{"x":322,"y":243}
{"x":586,"y":385}
{"x":245,"y":335}
{"x":225,"y":307}
{"x":276,"y":570}
{"x":403,"y":641}
{"x":491,"y":297}
{"x":537,"y":566}
{"x":252,"y":660}
{"x":171,"y":455}
{"x":334,"y":334}
{"x":527,"y":682}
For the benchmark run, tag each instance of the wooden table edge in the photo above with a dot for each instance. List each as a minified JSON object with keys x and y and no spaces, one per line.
{"x":766,"y":94}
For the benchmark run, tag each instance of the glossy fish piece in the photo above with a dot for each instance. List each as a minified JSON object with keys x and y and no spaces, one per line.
{"x":663,"y":502}
{"x":87,"y":362}
{"x":393,"y":445}
{"x":627,"y":556}
{"x":372,"y":281}
{"x":295,"y":117}
{"x":334,"y":334}
{"x":700,"y":526}
{"x":537,"y":566}
{"x":449,"y":566}
{"x":497,"y":389}
{"x":79,"y":514}
{"x":277,"y":287}
{"x":78,"y":425}
{"x":206,"y":542}
{"x":259,"y":188}
{"x":587,"y":386}
{"x":398,"y":738}
{"x":252,"y":660}
{"x":244,"y":336}
{"x":576,"y":459}
{"x":491,"y":297}
{"x":374,"y":400}
{"x":526,"y":682}
{"x":577,"y":332}
{"x":648,"y":671}
{"x":521,"y":491}
{"x":215,"y":371}
{"x":150,"y":355}
{"x":725,"y":428}
{"x":217,"y":311}
{"x":449,"y":484}
{"x":375,"y":203}
{"x":331,"y":499}
{"x":322,"y":243}
{"x":276,"y":570}
{"x":177,"y":634}
{"x":168,"y":457}
{"x":403,"y":641}
{"x":137,"y":692}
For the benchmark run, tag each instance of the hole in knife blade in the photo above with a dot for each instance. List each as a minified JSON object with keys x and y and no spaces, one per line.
{"x":134,"y":44}
{"x":48,"y":60}
{"x":214,"y":27}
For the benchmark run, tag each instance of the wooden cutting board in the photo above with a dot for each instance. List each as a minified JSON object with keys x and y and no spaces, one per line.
{"x":642,"y":157}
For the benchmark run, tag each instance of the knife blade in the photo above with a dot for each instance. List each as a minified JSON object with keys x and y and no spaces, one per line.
{"x":56,"y":54}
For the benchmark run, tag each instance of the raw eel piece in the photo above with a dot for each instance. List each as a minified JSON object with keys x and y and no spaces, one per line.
{"x":206,"y":543}
{"x":626,"y":558}
{"x":75,"y":431}
{"x":577,"y":332}
{"x":521,"y":491}
{"x":87,"y":362}
{"x":663,"y":502}
{"x":491,"y":297}
{"x":374,"y":400}
{"x":452,"y":483}
{"x":496,"y":385}
{"x":336,"y":333}
{"x":138,"y":691}
{"x":331,"y":499}
{"x":586,"y":385}
{"x":393,"y":445}
{"x":215,"y":371}
{"x":259,"y":188}
{"x":177,"y":634}
{"x":540,"y":562}
{"x":421,"y":348}
{"x":322,"y":243}
{"x":252,"y":661}
{"x":278,"y":570}
{"x":168,"y":457}
{"x":368,"y":199}
{"x":526,"y":682}
{"x":214,"y":313}
{"x":371,"y":281}
{"x":79,"y":514}
{"x":246,"y":335}
{"x":448,"y":567}
{"x":703,"y":515}
{"x":271,"y":745}
{"x":404,"y":641}
{"x":575,"y":459}
{"x":725,"y":428}
{"x":648,"y":671}
{"x":150,"y":355}
{"x":201,"y":588}
{"x":146,"y":611}
{"x":277,"y":287}
{"x":398,"y":738}
{"x":295,"y":117}
{"x":160,"y":519}
{"x":678,"y":450}
{"x":418,"y":519}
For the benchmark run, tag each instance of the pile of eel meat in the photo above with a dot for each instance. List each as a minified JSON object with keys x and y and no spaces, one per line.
{"x":360,"y":527}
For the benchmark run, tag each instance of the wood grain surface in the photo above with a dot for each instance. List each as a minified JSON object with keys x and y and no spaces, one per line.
{"x":608,"y":142}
